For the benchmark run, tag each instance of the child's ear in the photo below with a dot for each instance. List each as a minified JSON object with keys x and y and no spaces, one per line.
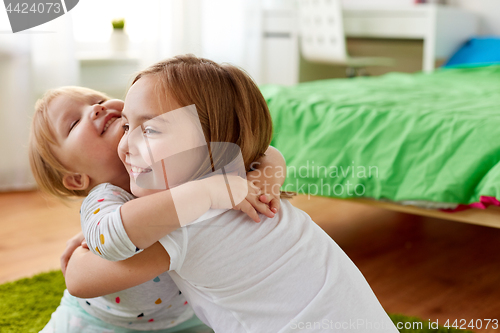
{"x":76,"y":181}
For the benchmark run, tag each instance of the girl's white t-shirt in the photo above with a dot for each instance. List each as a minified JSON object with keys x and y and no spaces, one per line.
{"x":283,"y":274}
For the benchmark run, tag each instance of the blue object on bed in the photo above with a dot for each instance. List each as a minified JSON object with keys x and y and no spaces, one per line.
{"x":477,"y":51}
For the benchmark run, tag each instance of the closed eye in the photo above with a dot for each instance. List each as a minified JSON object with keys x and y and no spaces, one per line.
{"x":73,"y":124}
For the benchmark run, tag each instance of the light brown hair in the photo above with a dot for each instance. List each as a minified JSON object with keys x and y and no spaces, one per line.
{"x":230,"y":106}
{"x":47,"y":170}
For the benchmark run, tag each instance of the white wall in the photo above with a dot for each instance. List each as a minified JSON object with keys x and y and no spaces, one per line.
{"x":488,"y":12}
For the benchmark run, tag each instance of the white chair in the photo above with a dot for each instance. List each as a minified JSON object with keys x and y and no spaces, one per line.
{"x":322,"y":36}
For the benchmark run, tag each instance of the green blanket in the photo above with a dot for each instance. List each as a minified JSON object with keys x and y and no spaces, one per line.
{"x":430,"y":137}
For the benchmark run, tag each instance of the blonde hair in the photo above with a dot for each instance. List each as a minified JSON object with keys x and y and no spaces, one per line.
{"x":230,"y":106}
{"x":47,"y":170}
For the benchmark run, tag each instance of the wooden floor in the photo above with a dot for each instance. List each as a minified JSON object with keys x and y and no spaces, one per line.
{"x":33,"y":233}
{"x":429,"y":268}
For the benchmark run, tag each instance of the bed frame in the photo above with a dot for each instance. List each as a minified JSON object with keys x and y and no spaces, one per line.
{"x":489,"y":217}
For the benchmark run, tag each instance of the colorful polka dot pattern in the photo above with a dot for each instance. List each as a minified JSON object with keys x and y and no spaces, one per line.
{"x":142,"y":315}
{"x":102,"y":237}
{"x":156,"y":279}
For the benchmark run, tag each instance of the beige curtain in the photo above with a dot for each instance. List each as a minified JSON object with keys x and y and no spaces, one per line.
{"x":30,"y":63}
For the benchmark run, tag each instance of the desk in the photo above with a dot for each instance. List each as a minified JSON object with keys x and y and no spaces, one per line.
{"x":442,"y":28}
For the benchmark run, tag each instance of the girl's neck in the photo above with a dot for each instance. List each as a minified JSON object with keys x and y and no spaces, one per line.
{"x":122,"y":182}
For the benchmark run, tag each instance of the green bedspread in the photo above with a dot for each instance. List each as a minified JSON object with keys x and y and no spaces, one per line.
{"x":431,"y":137}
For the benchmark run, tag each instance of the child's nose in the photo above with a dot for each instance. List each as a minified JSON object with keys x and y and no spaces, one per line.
{"x":123,"y":145}
{"x":97,"y":110}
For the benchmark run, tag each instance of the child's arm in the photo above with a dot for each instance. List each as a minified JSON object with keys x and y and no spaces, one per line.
{"x":89,"y":276}
{"x":116,"y":229}
{"x":141,"y":222}
{"x":85,"y":277}
{"x":102,"y":225}
{"x":148,"y":219}
{"x":71,"y":245}
{"x":266,"y":180}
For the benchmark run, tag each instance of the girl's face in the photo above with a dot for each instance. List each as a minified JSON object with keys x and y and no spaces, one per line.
{"x":87,"y":132}
{"x":159,"y":150}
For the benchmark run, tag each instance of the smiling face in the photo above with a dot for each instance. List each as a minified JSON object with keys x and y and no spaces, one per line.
{"x":87,"y":131}
{"x":163,"y":145}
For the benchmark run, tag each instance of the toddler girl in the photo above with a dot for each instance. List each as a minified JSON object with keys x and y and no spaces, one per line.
{"x":73,"y":152}
{"x":279,"y":276}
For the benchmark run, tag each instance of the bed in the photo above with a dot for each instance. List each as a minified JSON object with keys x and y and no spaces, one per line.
{"x":420,"y":143}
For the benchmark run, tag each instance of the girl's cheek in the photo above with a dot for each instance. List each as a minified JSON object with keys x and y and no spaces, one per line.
{"x":139,"y":156}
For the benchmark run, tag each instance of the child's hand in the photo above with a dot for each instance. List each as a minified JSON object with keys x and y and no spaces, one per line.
{"x":247,"y":196}
{"x":257,"y":202}
{"x":251,"y":204}
{"x":71,"y":245}
{"x":269,"y":187}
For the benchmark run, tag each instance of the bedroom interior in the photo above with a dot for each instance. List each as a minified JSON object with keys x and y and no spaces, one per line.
{"x":426,"y":230}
